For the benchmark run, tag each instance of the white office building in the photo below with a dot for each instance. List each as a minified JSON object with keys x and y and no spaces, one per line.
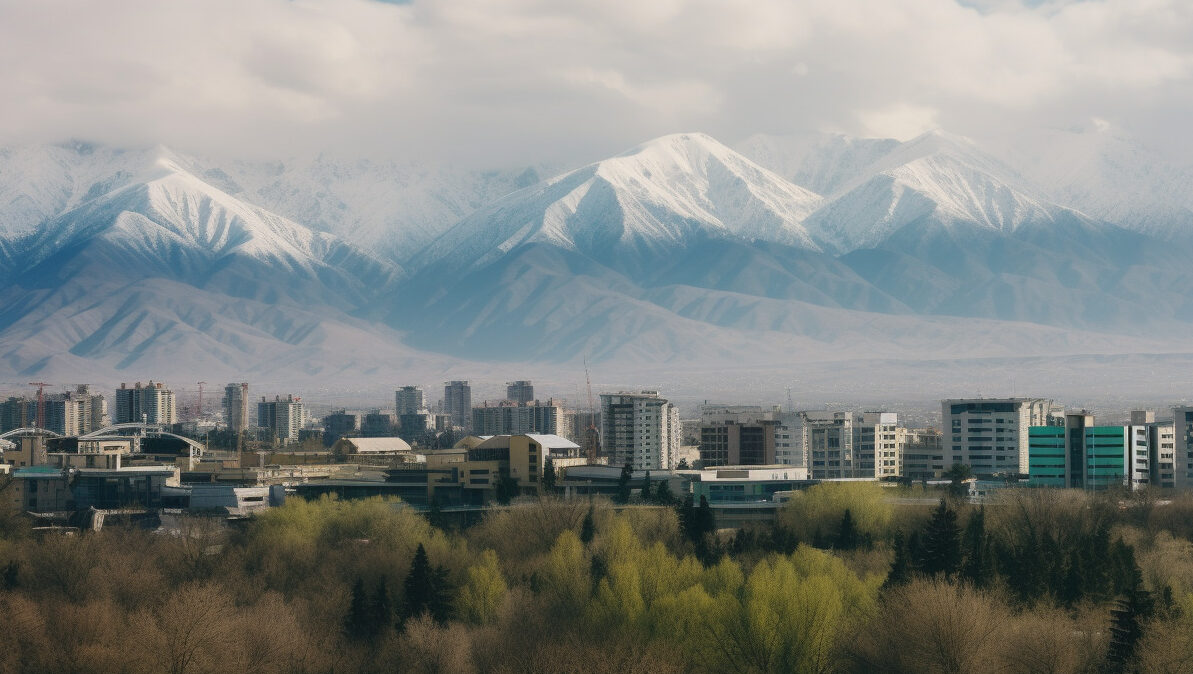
{"x":990,"y":435}
{"x":642,"y":429}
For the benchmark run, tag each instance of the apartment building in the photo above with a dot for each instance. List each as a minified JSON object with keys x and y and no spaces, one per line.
{"x":284,"y":416}
{"x":508,"y":417}
{"x":641,"y":429}
{"x":152,"y":403}
{"x":236,"y":406}
{"x":990,"y":435}
{"x":457,"y":402}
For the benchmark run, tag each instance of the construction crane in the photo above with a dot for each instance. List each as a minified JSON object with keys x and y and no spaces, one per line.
{"x":41,"y":402}
{"x":590,"y":433}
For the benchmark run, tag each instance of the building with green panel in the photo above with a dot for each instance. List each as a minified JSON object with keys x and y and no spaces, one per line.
{"x":1046,"y":456}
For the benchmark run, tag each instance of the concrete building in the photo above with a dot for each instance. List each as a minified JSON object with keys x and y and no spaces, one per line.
{"x":738,"y":444}
{"x":236,"y":406}
{"x":152,"y":403}
{"x":513,"y":418}
{"x":339,"y":424}
{"x":409,"y":400}
{"x":1081,"y":455}
{"x":1182,"y":474}
{"x":73,"y":413}
{"x":284,"y":417}
{"x":850,"y":445}
{"x":17,"y":412}
{"x":457,"y":402}
{"x":641,"y":429}
{"x":922,"y":454}
{"x":379,"y":424}
{"x":990,"y":435}
{"x":521,"y":391}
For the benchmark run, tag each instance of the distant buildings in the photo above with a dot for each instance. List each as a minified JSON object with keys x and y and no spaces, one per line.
{"x":152,"y":403}
{"x":513,"y":418}
{"x":285,"y":417}
{"x":641,"y":429}
{"x":457,"y":402}
{"x":236,"y":406}
{"x":74,"y":413}
{"x":1182,"y":460}
{"x":339,"y":424}
{"x":520,"y":391}
{"x":990,"y":435}
{"x":409,"y":400}
{"x":1074,"y":452}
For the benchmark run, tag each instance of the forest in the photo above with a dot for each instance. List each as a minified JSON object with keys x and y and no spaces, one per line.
{"x":847,"y":579}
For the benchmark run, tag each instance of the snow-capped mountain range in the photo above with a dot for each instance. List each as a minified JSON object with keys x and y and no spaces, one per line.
{"x":680,"y":251}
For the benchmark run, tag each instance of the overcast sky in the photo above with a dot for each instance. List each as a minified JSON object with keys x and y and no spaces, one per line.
{"x":528,"y":80}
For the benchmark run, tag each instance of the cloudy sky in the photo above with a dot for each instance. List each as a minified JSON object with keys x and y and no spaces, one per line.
{"x":502,"y":80}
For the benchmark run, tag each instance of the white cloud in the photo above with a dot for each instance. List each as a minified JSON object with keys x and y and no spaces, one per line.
{"x":530,"y":79}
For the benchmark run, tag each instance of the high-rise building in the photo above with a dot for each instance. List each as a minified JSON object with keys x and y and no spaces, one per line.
{"x":17,"y":413}
{"x":236,"y":406}
{"x":1076,"y":453}
{"x":409,"y":400}
{"x":152,"y":403}
{"x":1182,"y":475}
{"x":457,"y":402}
{"x":284,"y":416}
{"x":738,"y":444}
{"x":75,"y":412}
{"x":990,"y":435}
{"x":520,"y":391}
{"x":641,"y":429}
{"x":511,"y":418}
{"x":341,"y":423}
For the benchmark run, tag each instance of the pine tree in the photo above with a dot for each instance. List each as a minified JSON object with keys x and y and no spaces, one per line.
{"x":1131,"y":610}
{"x":900,"y":571}
{"x":942,"y":544}
{"x":357,"y":624}
{"x":419,"y":585}
{"x":683,"y":465}
{"x":662,"y":493}
{"x":623,"y":484}
{"x":549,"y":475}
{"x":977,"y":566}
{"x":706,"y":522}
{"x":847,"y":533}
{"x":686,"y":511}
{"x":646,"y":487}
{"x":588,"y":528}
{"x":381,"y":612}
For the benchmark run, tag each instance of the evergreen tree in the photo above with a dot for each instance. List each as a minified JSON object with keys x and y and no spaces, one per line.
{"x":1131,"y":610}
{"x":847,"y":534}
{"x":663,"y":494}
{"x":505,"y":489}
{"x":900,"y":571}
{"x":686,"y":511}
{"x":977,"y":566}
{"x":957,"y":476}
{"x":646,"y":486}
{"x":706,"y":522}
{"x":549,"y":475}
{"x":623,"y":484}
{"x":942,"y":542}
{"x":357,"y":624}
{"x":381,"y":611}
{"x":588,"y":528}
{"x":683,"y":465}
{"x":419,"y":586}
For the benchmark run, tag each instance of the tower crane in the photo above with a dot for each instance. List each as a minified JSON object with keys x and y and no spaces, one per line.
{"x":590,"y":434}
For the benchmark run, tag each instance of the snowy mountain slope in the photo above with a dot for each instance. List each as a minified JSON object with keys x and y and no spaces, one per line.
{"x":391,"y":208}
{"x":173,"y":225}
{"x":1109,"y":176}
{"x":933,"y":177}
{"x":821,"y":162}
{"x":636,"y":206}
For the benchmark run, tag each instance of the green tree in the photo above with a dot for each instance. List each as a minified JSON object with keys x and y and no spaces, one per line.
{"x":623,"y":484}
{"x":549,"y":475}
{"x":505,"y":489}
{"x":900,"y":571}
{"x":663,"y":494}
{"x":847,"y":534}
{"x":941,"y":551}
{"x":427,"y":589}
{"x":588,"y":528}
{"x":381,"y":612}
{"x":957,"y":475}
{"x":977,"y":567}
{"x":646,"y":486}
{"x":683,"y":464}
{"x":482,"y":594}
{"x":1130,"y":611}
{"x":358,"y":623}
{"x":706,"y":522}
